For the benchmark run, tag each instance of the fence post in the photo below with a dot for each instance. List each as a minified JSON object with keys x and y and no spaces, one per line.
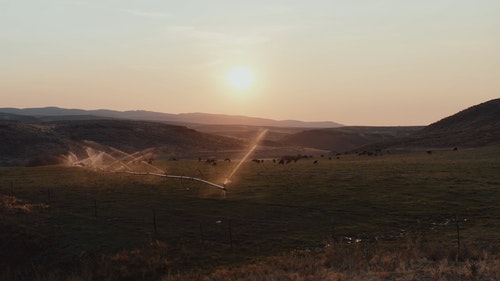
{"x":230,"y":233}
{"x":458,"y":238}
{"x":201,"y":234}
{"x":154,"y":221}
{"x":332,"y":223}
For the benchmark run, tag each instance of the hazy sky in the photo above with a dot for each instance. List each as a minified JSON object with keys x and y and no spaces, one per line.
{"x":358,"y":62}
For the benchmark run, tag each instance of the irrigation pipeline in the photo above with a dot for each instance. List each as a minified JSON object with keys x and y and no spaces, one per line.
{"x":223,"y":188}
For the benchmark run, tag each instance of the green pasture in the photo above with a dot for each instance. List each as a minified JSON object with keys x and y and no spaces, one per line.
{"x":62,"y":213}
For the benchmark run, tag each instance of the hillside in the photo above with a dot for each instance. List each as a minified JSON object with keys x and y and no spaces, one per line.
{"x":346,"y":138}
{"x":25,"y":143}
{"x":43,"y":143}
{"x":475,"y":126}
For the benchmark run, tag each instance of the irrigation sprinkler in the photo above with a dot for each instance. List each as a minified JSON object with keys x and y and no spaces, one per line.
{"x":252,"y":148}
{"x":164,"y":174}
{"x":221,"y":187}
{"x":96,"y":157}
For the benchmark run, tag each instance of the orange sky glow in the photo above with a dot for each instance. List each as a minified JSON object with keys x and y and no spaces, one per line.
{"x":364,"y":62}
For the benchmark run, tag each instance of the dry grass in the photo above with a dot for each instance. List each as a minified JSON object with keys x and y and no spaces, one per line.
{"x":417,"y":260}
{"x":355,"y":262}
{"x":13,"y":204}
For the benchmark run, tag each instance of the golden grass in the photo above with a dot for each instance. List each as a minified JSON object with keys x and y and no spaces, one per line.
{"x":11,"y":203}
{"x":336,"y":262}
{"x":354,"y":262}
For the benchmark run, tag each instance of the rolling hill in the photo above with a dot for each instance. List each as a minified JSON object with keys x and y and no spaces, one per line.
{"x":476,"y":126}
{"x":26,"y":143}
{"x":44,"y":142}
{"x":40,"y":139}
{"x":346,"y":138}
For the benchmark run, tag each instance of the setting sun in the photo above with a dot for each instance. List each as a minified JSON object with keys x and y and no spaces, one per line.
{"x":240,"y":78}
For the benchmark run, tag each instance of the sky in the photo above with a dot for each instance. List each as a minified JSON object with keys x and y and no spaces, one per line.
{"x":358,"y":62}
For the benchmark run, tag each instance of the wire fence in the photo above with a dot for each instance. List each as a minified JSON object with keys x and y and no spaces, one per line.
{"x":276,"y":226}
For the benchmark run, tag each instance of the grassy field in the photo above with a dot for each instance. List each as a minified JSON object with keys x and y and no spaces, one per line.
{"x":67,"y":221}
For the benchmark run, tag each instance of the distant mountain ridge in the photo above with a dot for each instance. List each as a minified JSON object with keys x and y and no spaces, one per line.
{"x":56,"y":113}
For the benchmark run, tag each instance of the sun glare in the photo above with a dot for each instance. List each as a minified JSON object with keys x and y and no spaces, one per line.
{"x":240,"y":78}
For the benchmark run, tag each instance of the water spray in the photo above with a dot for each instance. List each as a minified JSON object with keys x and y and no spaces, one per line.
{"x":96,"y":156}
{"x":252,"y":148}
